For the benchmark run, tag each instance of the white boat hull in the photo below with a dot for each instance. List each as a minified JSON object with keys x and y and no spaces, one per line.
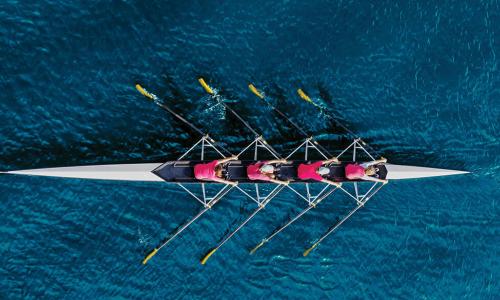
{"x":142,"y":172}
{"x":412,"y":172}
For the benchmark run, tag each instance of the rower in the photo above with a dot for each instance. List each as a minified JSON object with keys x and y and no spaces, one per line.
{"x":317,"y":171}
{"x":264,"y":170}
{"x":212,"y":171}
{"x":365,"y":171}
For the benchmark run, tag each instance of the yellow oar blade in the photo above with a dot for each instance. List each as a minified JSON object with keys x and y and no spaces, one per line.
{"x":206,"y":257}
{"x":304,"y":96}
{"x":254,"y":90}
{"x":144,"y":92}
{"x":149,"y":256}
{"x":205,"y":86}
{"x":306,"y":253}
{"x":257,"y":247}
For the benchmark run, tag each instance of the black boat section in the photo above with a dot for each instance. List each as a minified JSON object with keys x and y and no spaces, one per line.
{"x":182,"y":171}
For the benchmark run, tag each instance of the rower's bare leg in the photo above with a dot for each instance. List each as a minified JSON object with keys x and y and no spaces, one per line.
{"x":277,"y":161}
{"x":369,"y":178}
{"x":279,"y":181}
{"x":220,"y":180}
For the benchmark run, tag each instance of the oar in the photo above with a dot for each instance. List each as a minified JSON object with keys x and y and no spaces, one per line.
{"x":330,"y":115}
{"x":217,"y":97}
{"x":324,"y":236}
{"x":211,"y":91}
{"x":186,"y":225}
{"x":157,"y":101}
{"x":280,"y":229}
{"x":261,"y":95}
{"x":212,"y":251}
{"x":156,"y":249}
{"x":228,"y":237}
{"x":221,"y":194}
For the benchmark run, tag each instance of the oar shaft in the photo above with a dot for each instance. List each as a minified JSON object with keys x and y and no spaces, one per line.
{"x":186,"y":225}
{"x":346,"y":217}
{"x":289,"y":223}
{"x":155,"y":99}
{"x":217,"y":97}
{"x":180,"y":118}
{"x":311,"y":206}
{"x":284,"y":116}
{"x":183,"y":228}
{"x":333,"y":117}
{"x":238,"y":117}
{"x":227,"y":238}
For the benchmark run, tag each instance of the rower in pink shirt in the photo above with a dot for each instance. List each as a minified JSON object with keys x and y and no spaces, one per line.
{"x":212,"y":171}
{"x":317,"y":170}
{"x":365,"y":171}
{"x":264,"y":170}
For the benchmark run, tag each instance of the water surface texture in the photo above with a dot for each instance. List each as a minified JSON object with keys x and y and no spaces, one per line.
{"x":419,"y":80}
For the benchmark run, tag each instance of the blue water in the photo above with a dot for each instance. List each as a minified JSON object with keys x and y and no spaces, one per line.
{"x":419,"y":80}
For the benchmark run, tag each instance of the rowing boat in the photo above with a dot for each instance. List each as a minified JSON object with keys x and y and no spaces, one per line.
{"x":150,"y":171}
{"x":180,"y":172}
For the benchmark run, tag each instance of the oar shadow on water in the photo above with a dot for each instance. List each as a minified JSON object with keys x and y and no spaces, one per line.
{"x":290,"y":241}
{"x":212,"y":117}
{"x":99,"y":150}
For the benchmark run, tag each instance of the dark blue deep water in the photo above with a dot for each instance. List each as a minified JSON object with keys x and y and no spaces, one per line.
{"x":419,"y":80}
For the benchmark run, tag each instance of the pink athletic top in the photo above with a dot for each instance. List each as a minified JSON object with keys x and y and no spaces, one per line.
{"x":253,"y":171}
{"x":205,"y":171}
{"x":306,"y":172}
{"x":354,"y":171}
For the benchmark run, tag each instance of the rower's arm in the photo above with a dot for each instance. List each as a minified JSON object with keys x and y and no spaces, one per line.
{"x":375,"y":162}
{"x":225,"y":160}
{"x":331,"y":160}
{"x":337,"y":184}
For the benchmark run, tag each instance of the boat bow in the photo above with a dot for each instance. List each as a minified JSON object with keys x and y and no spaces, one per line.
{"x":412,"y":172}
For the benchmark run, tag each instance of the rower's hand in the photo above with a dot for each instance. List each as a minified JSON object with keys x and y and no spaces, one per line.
{"x":286,"y":182}
{"x":282,"y":161}
{"x":385,"y":181}
{"x":383,"y":159}
{"x":337,"y":184}
{"x":234,"y":183}
{"x":234,"y":157}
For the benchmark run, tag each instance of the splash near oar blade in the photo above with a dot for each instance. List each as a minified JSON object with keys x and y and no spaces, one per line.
{"x":205,"y":86}
{"x":304,"y":95}
{"x":144,"y":92}
{"x":149,"y":256}
{"x":306,"y":253}
{"x":255,"y":91}
{"x":207,"y":256}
